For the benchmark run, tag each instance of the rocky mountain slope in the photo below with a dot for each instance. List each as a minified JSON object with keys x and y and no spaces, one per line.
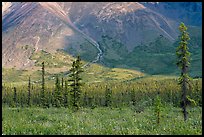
{"x":187,"y":12}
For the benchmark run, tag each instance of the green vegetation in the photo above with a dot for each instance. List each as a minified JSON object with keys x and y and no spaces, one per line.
{"x":99,"y":121}
{"x":142,"y":90}
{"x":114,"y":107}
{"x":57,"y":95}
{"x":12,"y":75}
{"x":98,"y":73}
{"x":29,"y":89}
{"x":118,"y":96}
{"x":76,"y":84}
{"x":108,"y":97}
{"x":56,"y":60}
{"x":86,"y":50}
{"x":183,"y":63}
{"x":42,"y":94}
{"x":158,"y":106}
{"x":93,"y":73}
{"x":156,"y":57}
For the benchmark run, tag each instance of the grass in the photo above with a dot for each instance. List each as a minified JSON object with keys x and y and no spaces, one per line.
{"x":93,"y":73}
{"x":58,"y":59}
{"x":96,"y":73}
{"x":99,"y":121}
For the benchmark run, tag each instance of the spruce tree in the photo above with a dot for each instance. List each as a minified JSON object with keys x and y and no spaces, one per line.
{"x":42,"y":99}
{"x":133,"y":97}
{"x":76,"y":84}
{"x":62,"y":84}
{"x":158,"y":106}
{"x":65,"y":95}
{"x":57,"y":94}
{"x":29,"y":89}
{"x":108,"y":96}
{"x":15,"y":97}
{"x":183,"y":63}
{"x":62,"y":92}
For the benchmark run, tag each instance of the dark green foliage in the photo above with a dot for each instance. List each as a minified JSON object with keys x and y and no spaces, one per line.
{"x":62,"y":84}
{"x":14,"y":97}
{"x":66,"y":94}
{"x":57,"y":94}
{"x":133,"y":97}
{"x":63,"y":95}
{"x":85,"y":99}
{"x":76,"y":84}
{"x":29,"y":90}
{"x":93,"y":94}
{"x":196,"y":89}
{"x":108,"y":96}
{"x":158,"y":105}
{"x":183,"y":63}
{"x":43,"y":86}
{"x":155,"y":57}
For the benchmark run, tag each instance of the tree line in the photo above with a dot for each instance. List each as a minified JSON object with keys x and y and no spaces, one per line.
{"x":73,"y":93}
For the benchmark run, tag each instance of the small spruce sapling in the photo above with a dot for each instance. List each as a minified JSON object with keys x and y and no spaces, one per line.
{"x":108,"y":96}
{"x":158,"y":106}
{"x":15,"y":97}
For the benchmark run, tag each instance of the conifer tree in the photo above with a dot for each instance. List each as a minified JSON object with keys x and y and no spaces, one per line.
{"x":62,"y":92}
{"x":42,"y":99}
{"x":183,"y":63}
{"x":108,"y":96}
{"x":57,"y":94}
{"x":133,"y":97}
{"x":76,"y":84}
{"x":62,"y":84}
{"x":15,"y":97}
{"x":29,"y":89}
{"x":65,"y":95}
{"x":158,"y":105}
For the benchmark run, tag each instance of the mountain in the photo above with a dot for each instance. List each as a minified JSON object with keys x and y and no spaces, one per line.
{"x":129,"y":22}
{"x":187,"y":12}
{"x":129,"y":35}
{"x":28,"y":28}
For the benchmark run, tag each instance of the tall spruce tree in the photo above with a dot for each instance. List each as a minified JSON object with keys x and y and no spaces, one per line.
{"x":75,"y":80}
{"x":183,"y":63}
{"x":29,"y":89}
{"x":57,"y":94}
{"x":62,"y":92}
{"x":66,"y":95}
{"x":42,"y":99}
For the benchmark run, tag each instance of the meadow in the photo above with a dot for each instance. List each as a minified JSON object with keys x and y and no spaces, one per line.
{"x":100,"y":121}
{"x":126,"y":107}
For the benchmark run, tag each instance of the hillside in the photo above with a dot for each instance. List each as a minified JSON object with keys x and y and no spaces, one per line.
{"x":133,"y":36}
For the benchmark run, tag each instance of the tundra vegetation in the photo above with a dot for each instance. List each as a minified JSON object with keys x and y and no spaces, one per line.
{"x":143,"y":105}
{"x":131,"y":107}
